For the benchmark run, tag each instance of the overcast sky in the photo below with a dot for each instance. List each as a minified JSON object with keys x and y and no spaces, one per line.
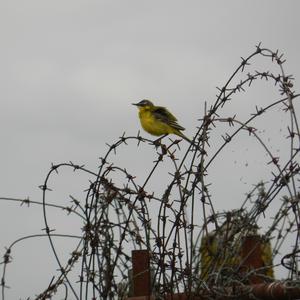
{"x":69,"y":71}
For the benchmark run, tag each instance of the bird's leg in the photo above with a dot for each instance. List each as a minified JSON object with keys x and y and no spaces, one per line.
{"x":157,"y":142}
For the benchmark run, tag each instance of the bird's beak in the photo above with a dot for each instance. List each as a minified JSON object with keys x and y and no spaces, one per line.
{"x":136,"y":104}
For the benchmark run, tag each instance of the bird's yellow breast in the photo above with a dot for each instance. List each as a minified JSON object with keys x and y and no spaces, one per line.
{"x":152,"y":125}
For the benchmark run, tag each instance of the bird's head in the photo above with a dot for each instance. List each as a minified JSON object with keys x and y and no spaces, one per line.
{"x":144,"y":104}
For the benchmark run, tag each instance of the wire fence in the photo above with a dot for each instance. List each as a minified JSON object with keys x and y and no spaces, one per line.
{"x":193,"y":246}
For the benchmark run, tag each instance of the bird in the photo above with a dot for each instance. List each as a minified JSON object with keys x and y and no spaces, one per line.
{"x":158,"y":121}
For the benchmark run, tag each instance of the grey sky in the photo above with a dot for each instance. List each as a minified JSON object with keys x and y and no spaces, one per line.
{"x":70,"y":70}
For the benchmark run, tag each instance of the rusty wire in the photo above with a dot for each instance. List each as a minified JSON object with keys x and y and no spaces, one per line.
{"x":118,"y":216}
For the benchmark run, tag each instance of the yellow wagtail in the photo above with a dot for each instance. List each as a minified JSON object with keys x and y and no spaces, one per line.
{"x":157,"y":120}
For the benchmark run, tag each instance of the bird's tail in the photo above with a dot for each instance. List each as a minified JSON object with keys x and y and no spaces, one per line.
{"x":184,"y":137}
{"x":187,"y":139}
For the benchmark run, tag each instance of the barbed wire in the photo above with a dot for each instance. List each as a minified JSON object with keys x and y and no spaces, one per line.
{"x":179,"y":225}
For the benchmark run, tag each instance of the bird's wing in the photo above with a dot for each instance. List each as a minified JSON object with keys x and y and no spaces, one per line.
{"x":162,"y":114}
